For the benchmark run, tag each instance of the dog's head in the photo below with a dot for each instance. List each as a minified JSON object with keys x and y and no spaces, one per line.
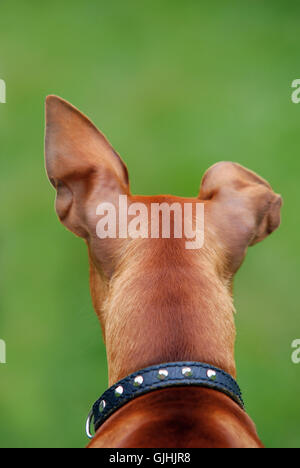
{"x":240,"y":209}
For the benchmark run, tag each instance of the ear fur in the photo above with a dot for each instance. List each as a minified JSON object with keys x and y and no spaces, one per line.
{"x":80,"y":164}
{"x":243,"y":205}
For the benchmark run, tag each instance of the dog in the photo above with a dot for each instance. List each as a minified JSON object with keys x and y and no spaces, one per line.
{"x":158,"y":302}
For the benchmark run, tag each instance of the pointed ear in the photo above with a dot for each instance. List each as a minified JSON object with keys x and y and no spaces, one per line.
{"x":81,"y":165}
{"x":242,"y":205}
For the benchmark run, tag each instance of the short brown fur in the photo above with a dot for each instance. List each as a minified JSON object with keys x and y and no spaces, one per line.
{"x":157,"y":301}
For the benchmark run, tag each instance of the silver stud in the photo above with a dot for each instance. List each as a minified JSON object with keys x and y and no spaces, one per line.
{"x":162,"y":374}
{"x":119,"y":391}
{"x":102,"y":406}
{"x":187,"y":372}
{"x":211,"y":374}
{"x":138,"y":381}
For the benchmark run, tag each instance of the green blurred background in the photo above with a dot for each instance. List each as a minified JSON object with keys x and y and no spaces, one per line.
{"x":176,"y":86}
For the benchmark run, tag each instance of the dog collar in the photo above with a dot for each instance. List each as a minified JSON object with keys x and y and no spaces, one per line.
{"x":173,"y":374}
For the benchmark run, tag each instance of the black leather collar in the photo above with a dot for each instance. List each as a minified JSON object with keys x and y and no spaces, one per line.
{"x":162,"y":376}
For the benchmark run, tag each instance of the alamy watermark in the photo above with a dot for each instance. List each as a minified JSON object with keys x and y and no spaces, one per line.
{"x":138,"y":220}
{"x":296,"y":352}
{"x":2,"y":92}
{"x":2,"y":352}
{"x":296,"y":93}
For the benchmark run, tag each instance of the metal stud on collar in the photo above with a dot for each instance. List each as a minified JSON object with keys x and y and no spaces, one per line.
{"x":119,"y":391}
{"x":102,"y":406}
{"x":162,"y":374}
{"x":138,"y":381}
{"x":211,"y":374}
{"x":187,"y":372}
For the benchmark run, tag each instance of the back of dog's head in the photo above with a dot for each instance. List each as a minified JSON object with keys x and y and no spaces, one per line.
{"x":142,"y":278}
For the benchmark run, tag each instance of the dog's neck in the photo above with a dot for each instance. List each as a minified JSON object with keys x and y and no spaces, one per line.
{"x":162,"y":305}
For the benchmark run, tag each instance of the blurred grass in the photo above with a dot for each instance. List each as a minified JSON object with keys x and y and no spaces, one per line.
{"x":176,"y":86}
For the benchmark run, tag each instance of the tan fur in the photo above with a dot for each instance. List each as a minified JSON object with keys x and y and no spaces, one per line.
{"x":157,"y":301}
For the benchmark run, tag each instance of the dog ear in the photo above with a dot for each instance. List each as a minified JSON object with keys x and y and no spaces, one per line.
{"x":81,"y":165}
{"x":243,"y":206}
